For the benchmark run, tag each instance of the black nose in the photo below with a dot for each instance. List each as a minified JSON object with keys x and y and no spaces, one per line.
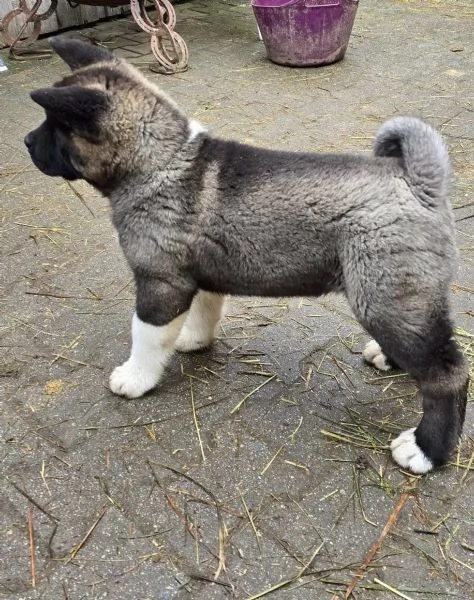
{"x":28,"y":140}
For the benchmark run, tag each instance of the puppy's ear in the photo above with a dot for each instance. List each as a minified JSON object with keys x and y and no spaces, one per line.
{"x":73,"y":105}
{"x":76,"y":53}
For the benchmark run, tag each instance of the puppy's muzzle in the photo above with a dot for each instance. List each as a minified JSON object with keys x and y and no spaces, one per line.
{"x":28,"y":141}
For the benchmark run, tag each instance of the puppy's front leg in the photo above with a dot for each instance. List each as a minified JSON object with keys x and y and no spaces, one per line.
{"x":162,"y":307}
{"x":198,"y":330}
{"x":152,"y":347}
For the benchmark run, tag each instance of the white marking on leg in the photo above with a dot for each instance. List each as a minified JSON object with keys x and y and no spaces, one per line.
{"x":198,"y":329}
{"x":152,"y":347}
{"x":373,"y":354}
{"x":408,"y":454}
{"x":195,"y":128}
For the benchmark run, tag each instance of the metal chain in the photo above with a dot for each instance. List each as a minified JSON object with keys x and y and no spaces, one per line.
{"x":167,"y":46}
{"x":31,"y":16}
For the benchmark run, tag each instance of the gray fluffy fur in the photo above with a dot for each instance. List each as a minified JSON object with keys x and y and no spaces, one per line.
{"x":201,"y":213}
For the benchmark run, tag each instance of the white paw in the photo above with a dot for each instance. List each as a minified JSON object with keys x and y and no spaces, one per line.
{"x":190,"y":340}
{"x":408,"y":454}
{"x":132,"y":380}
{"x":373,"y":354}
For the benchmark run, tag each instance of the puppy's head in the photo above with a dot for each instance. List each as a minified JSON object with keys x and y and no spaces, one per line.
{"x":104,"y":122}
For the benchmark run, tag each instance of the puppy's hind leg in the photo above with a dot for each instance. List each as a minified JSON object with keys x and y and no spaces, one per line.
{"x":198,"y":330}
{"x":444,"y":387}
{"x":374,"y":355}
{"x":413,"y":327}
{"x":425,"y":348}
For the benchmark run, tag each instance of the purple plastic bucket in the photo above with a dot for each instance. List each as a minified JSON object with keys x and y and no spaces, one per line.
{"x":303,"y":33}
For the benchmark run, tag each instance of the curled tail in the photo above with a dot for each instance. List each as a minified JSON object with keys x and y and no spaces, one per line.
{"x":424,"y":157}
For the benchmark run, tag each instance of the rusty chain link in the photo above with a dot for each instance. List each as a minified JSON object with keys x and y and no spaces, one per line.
{"x":167,"y":46}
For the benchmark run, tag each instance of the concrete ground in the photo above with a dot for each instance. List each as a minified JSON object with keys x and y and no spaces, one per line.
{"x":180,"y":494}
